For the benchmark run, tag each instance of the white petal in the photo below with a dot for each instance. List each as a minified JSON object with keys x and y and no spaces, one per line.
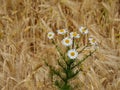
{"x":52,"y":35}
{"x":67,"y":44}
{"x":69,"y":54}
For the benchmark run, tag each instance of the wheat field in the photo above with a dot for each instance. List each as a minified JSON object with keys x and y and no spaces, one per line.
{"x":23,"y":42}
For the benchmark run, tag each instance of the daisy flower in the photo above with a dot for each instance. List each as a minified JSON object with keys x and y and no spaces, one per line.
{"x":67,"y":41}
{"x":50,"y":35}
{"x":62,"y":31}
{"x":74,"y":34}
{"x":83,"y":30}
{"x":72,"y":54}
{"x":92,"y":41}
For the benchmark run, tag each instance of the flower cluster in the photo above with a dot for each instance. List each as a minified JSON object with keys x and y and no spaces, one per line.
{"x":68,"y":41}
{"x":69,"y":60}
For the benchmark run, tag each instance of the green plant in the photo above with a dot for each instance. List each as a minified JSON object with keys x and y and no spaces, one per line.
{"x":68,"y":62}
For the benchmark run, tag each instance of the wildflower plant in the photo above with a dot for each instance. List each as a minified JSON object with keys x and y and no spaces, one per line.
{"x":69,"y":63}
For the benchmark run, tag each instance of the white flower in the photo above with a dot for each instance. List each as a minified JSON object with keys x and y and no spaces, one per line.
{"x":83,"y":30}
{"x":67,"y":41}
{"x":50,"y":35}
{"x":62,"y":31}
{"x":74,"y":34}
{"x":72,"y":54}
{"x":92,"y":41}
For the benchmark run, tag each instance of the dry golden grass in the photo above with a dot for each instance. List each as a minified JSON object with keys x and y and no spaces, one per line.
{"x":23,"y":42}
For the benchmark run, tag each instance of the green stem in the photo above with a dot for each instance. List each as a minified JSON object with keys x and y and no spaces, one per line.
{"x":73,"y":43}
{"x":55,"y":72}
{"x":83,"y":49}
{"x":58,"y":49}
{"x":83,"y":59}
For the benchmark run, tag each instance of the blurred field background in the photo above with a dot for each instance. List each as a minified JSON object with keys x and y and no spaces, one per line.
{"x":23,"y":42}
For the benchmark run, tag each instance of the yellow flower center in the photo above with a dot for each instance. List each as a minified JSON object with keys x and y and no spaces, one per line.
{"x":74,"y":34}
{"x":62,"y":30}
{"x":93,"y":40}
{"x":72,"y":53}
{"x":67,"y":41}
{"x":50,"y":35}
{"x":84,"y":30}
